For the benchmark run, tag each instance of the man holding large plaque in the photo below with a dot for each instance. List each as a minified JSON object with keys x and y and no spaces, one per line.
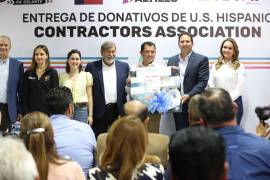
{"x":147,"y":61}
{"x":148,"y":79}
{"x":193,"y":69}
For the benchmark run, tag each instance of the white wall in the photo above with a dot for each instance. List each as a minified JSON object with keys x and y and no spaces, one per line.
{"x":254,"y":51}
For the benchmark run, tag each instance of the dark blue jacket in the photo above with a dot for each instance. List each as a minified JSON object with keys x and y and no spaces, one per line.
{"x":14,"y":89}
{"x":122,"y":71}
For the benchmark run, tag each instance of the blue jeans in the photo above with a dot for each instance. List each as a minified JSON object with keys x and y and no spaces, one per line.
{"x":80,"y":114}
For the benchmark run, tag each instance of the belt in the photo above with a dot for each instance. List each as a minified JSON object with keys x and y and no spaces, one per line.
{"x":80,"y":105}
{"x":110,"y":105}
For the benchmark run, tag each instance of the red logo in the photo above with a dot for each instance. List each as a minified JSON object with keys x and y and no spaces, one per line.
{"x":81,"y":2}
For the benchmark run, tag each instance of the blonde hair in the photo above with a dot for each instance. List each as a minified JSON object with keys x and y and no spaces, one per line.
{"x":235,"y":58}
{"x":40,"y":143}
{"x":126,"y":146}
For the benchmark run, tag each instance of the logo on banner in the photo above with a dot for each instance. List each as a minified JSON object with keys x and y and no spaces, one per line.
{"x":242,"y":1}
{"x":230,"y":0}
{"x":27,"y":2}
{"x":87,"y":2}
{"x":148,"y":1}
{"x":126,"y":1}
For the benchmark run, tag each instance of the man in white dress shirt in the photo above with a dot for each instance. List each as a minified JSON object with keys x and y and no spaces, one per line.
{"x":147,"y":60}
{"x":11,"y":79}
{"x":109,"y":80}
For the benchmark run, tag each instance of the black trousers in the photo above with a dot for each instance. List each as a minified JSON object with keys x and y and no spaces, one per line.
{"x":240,"y":111}
{"x":101,"y":125}
{"x":181,"y":118}
{"x":5,"y":120}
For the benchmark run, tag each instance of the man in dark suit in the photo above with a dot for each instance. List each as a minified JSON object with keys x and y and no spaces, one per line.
{"x":11,"y":73}
{"x":193,"y":70}
{"x":109,"y":80}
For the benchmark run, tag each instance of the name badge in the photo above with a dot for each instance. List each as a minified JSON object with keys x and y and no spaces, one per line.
{"x":30,"y":77}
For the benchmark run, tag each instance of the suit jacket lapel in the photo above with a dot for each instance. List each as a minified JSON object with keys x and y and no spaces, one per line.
{"x":176,"y":61}
{"x":118,"y":73}
{"x":10,"y":73}
{"x":190,"y":62}
{"x":100,"y":77}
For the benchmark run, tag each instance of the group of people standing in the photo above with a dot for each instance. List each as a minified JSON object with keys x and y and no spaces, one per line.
{"x":96,"y":96}
{"x":193,"y":68}
{"x":39,"y":78}
{"x":99,"y":92}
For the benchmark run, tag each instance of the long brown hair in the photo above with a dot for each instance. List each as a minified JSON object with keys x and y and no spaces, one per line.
{"x":40,"y":143}
{"x":33,"y":65}
{"x":235,"y":58}
{"x":126,"y":146}
{"x":73,"y":51}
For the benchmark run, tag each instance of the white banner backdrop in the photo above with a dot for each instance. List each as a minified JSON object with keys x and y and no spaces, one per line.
{"x":63,"y":25}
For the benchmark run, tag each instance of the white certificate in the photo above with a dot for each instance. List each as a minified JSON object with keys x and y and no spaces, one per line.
{"x":153,"y":71}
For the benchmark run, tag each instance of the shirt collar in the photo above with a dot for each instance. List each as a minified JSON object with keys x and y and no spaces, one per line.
{"x":229,"y":129}
{"x":48,"y":69}
{"x":56,"y":116}
{"x":186,"y":58}
{"x":105,"y":66}
{"x":4,"y":61}
{"x":140,"y":64}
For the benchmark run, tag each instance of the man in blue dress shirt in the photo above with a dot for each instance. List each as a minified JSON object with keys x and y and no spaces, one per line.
{"x":248,"y":155}
{"x":73,"y":138}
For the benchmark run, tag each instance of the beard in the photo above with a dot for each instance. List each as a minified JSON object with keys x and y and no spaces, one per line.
{"x":109,"y":60}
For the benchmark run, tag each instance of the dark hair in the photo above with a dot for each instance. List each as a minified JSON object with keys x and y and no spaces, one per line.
{"x":185,"y":33}
{"x":147,"y":43}
{"x":142,"y":115}
{"x":59,"y":99}
{"x":216,"y":106}
{"x":197,"y":153}
{"x":73,"y":51}
{"x":33,"y":65}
